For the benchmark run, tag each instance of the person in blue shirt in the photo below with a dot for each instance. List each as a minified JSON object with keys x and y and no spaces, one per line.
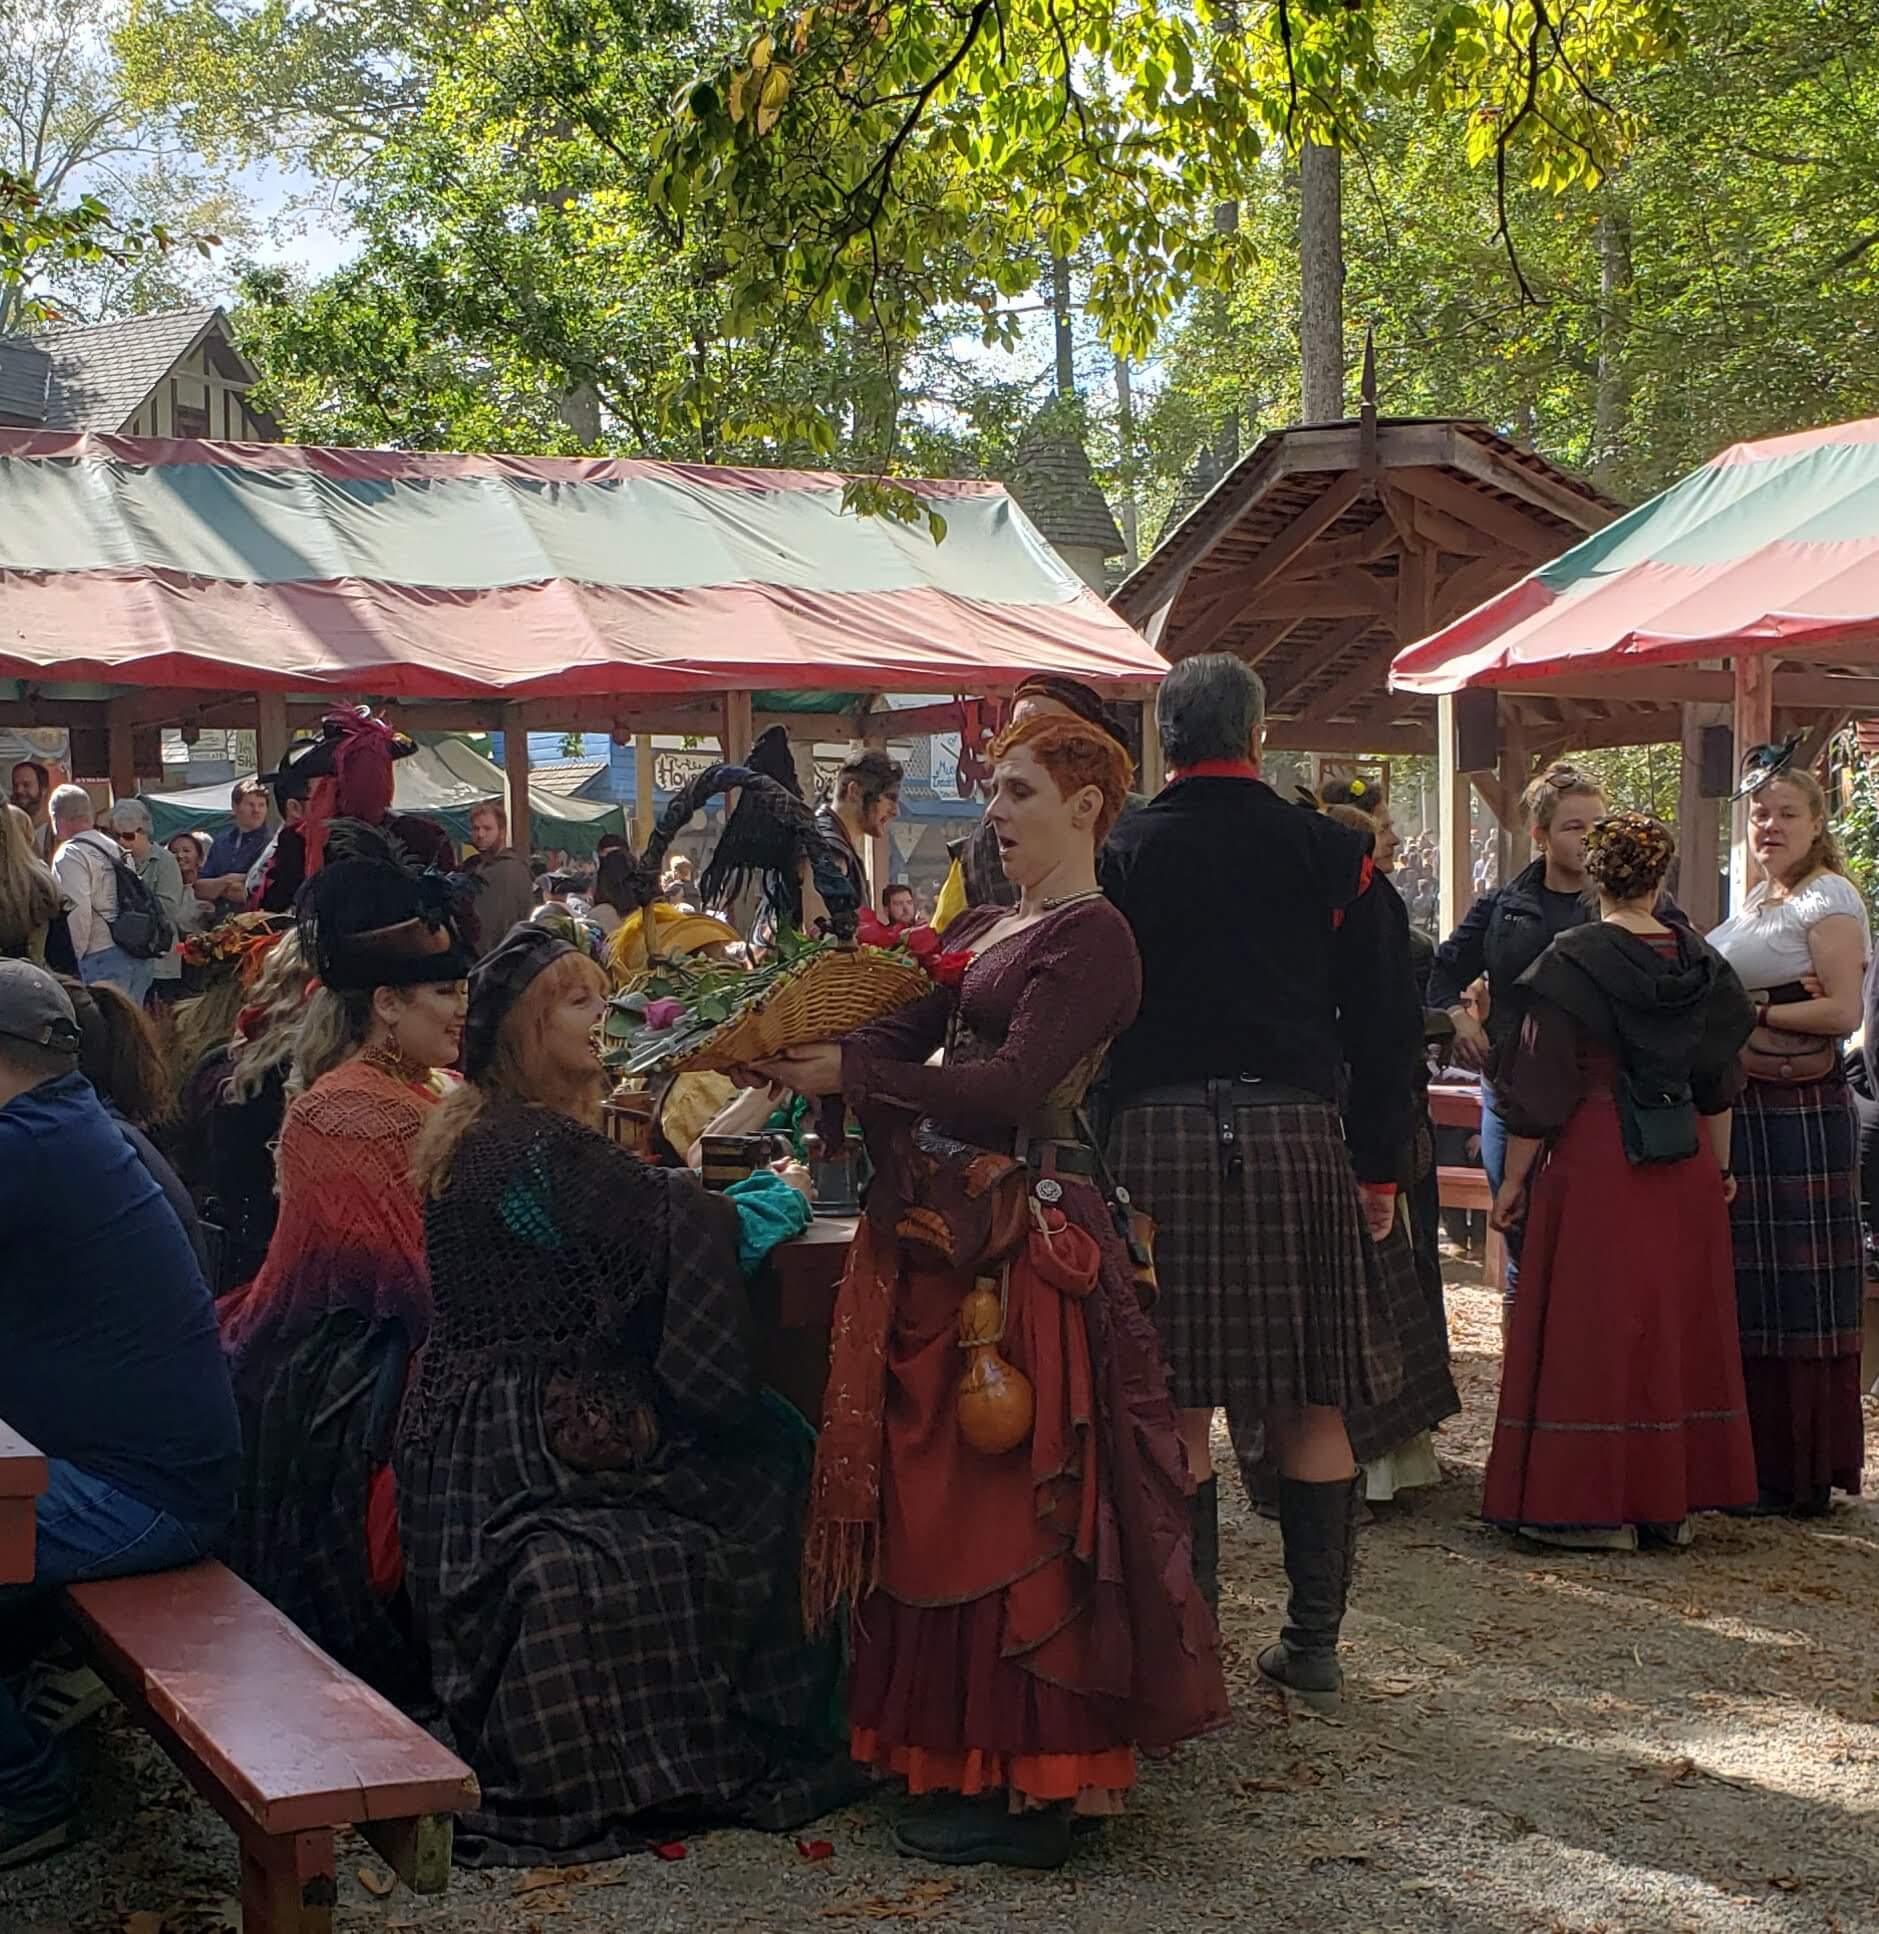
{"x":223,"y":881}
{"x":112,"y":1364}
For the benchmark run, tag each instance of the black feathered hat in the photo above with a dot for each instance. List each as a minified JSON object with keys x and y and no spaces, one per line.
{"x":371,"y":922}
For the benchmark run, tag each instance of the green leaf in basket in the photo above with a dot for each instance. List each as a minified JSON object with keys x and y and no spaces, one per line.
{"x":620,"y":1024}
{"x":715,"y":1008}
{"x":630,"y":1003}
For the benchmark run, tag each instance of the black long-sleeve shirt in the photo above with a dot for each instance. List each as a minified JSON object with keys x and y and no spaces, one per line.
{"x":1264,"y":955}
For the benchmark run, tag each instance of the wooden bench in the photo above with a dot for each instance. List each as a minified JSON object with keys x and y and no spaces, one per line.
{"x":283,"y":1743}
{"x":1464,"y":1188}
{"x":22,"y":1479}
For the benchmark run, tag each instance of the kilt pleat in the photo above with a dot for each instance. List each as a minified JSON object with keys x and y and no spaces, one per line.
{"x":1799,"y":1253}
{"x":1272,"y":1295}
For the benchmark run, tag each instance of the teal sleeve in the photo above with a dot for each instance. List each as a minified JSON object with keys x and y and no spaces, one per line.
{"x":769,"y":1212}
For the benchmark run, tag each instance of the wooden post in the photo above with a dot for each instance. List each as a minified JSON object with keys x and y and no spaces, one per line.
{"x":1699,"y":824}
{"x":1454,"y":800}
{"x":270,"y":733}
{"x":1154,"y":773}
{"x":1754,"y":720}
{"x":1513,"y":777}
{"x":642,"y":789}
{"x":122,"y":751}
{"x":515,"y":769}
{"x":736,"y":734}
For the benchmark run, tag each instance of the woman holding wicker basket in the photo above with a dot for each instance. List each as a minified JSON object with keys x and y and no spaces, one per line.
{"x":999,"y":1485}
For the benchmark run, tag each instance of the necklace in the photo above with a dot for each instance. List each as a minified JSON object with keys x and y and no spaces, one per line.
{"x":1070,"y":899}
{"x":389,"y":1061}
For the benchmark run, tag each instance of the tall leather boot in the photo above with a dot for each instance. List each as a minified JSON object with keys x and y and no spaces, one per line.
{"x":1318,"y":1525}
{"x":1203,"y":1517}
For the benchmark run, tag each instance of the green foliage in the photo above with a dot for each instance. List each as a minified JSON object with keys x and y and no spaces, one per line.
{"x":758,"y":231}
{"x":101,"y":213}
{"x":39,"y":239}
{"x":1717,"y":283}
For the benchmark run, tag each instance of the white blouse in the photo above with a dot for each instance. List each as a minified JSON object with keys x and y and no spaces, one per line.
{"x":1767,"y":944}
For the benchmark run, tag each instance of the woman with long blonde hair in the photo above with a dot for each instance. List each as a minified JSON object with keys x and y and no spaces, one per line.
{"x":1800,"y":944}
{"x":31,"y":898}
{"x":598,"y":1511}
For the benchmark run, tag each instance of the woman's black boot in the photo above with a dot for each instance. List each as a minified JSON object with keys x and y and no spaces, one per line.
{"x":1318,"y":1526}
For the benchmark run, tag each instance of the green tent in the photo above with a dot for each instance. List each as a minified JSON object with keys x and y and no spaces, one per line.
{"x":443,"y":782}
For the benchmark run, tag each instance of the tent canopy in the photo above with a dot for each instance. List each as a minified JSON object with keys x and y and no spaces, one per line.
{"x":442,"y":781}
{"x":224,"y":567}
{"x":1773,"y":547}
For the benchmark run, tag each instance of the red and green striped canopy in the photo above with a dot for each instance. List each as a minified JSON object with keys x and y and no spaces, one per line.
{"x":1774,"y":546}
{"x":248,"y":567}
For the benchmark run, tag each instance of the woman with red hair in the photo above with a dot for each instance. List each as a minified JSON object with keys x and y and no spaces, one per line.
{"x":1026,"y":1613}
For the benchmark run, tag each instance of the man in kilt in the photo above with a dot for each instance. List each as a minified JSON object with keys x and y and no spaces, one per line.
{"x":1276,"y":990}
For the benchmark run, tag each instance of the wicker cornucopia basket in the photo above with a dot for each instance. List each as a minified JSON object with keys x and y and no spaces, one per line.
{"x":825,"y":993}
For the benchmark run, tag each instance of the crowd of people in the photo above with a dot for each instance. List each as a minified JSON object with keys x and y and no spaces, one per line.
{"x":355,"y":1291}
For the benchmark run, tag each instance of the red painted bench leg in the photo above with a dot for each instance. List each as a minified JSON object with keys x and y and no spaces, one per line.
{"x":288,"y":1884}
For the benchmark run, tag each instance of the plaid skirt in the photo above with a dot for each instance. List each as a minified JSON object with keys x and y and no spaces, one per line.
{"x":607,"y":1642}
{"x":1799,"y":1253}
{"x":1272,"y":1295}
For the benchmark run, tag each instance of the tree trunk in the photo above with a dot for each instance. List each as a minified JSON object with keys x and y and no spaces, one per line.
{"x":1060,"y":324}
{"x":578,"y":407}
{"x":1227,"y":430}
{"x":1321,"y":284}
{"x":1130,"y":513}
{"x":1613,"y":401}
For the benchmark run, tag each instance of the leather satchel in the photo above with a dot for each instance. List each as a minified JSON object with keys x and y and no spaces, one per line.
{"x":1780,"y":1054}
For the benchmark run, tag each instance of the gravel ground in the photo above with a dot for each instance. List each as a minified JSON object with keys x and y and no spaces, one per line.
{"x":1685,"y":1743}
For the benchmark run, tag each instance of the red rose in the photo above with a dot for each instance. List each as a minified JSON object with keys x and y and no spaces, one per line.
{"x":949,"y":969}
{"x":871,"y":933}
{"x":922,"y":942}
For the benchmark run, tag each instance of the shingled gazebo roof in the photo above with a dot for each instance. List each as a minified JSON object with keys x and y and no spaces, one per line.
{"x":1327,"y":548}
{"x":1053,"y":482}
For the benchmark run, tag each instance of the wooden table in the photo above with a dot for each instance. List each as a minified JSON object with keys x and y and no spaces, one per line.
{"x":795,"y":1299}
{"x":1455,"y":1107}
{"x":22,"y":1479}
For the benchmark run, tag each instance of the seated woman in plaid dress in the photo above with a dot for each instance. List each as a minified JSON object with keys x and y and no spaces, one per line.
{"x":599,"y":1511}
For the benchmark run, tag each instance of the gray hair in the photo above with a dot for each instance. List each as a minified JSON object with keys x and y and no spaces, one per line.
{"x":71,"y":806}
{"x":130,"y":816}
{"x":1209,"y":707}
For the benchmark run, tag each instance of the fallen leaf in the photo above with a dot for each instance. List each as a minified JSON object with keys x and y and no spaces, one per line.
{"x":815,"y":1849}
{"x":1787,"y":1883}
{"x":376,"y":1883}
{"x":1394,"y":1688}
{"x":1294,"y":1780}
{"x":537,"y":1878}
{"x":143,"y":1920}
{"x":670,"y":1850}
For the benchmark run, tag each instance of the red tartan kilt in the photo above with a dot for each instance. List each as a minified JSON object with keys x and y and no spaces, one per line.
{"x":1621,"y":1391}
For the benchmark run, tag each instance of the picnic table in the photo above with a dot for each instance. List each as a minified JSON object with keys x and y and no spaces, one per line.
{"x":22,"y":1479}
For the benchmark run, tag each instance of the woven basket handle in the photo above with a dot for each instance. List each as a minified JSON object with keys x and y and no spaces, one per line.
{"x":825,"y":867}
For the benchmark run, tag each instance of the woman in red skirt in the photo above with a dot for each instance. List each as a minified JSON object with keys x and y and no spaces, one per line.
{"x":1622,"y":1409}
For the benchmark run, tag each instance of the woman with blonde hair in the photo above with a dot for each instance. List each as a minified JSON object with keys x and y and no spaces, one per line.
{"x":1800,"y":945}
{"x":235,"y":1101}
{"x":600,"y":1514}
{"x":31,"y":898}
{"x":1504,"y":933}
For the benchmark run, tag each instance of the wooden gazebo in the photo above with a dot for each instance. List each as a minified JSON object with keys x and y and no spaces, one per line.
{"x":1328,"y":548}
